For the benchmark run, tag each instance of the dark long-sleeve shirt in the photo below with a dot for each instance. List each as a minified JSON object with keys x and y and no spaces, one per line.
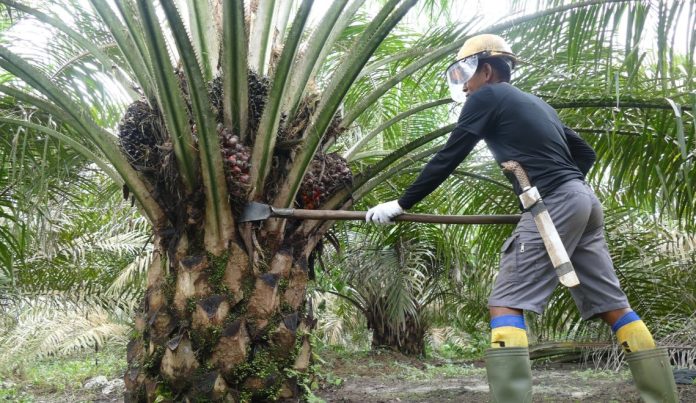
{"x":583,"y":155}
{"x":515,"y":126}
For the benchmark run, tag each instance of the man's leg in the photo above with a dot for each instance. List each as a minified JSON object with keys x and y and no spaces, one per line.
{"x":650,"y":366}
{"x":524,"y":282}
{"x":629,"y":329}
{"x":507,"y":361}
{"x":600,"y":294}
{"x":507,"y":327}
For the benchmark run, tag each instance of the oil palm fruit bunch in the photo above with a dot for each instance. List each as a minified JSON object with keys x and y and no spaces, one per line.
{"x":139,"y":134}
{"x":143,"y":140}
{"x":258,"y":91}
{"x":237,"y":162}
{"x":327,"y":174}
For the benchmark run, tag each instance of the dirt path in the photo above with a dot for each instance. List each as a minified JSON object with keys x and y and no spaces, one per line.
{"x":549,"y":385}
{"x":394,"y":378}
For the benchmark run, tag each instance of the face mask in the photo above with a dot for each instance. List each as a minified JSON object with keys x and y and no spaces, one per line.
{"x":458,"y":74}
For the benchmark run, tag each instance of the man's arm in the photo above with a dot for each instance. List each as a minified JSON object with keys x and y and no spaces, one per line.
{"x":458,"y":147}
{"x":581,"y":152}
{"x":473,"y":119}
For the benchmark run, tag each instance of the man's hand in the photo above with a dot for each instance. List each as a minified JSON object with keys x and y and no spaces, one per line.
{"x":383,"y":213}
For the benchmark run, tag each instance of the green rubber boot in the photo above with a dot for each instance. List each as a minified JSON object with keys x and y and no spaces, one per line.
{"x":653,"y":375}
{"x":509,"y":375}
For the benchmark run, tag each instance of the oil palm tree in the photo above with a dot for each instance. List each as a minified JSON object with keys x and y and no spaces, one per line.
{"x":405,"y":279}
{"x":394,"y":282}
{"x":243,"y":105}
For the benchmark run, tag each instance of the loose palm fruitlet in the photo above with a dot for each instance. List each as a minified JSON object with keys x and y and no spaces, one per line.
{"x":326,"y":174}
{"x":236,"y":158}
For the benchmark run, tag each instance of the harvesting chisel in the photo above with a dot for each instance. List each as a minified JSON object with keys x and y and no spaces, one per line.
{"x":531,"y":200}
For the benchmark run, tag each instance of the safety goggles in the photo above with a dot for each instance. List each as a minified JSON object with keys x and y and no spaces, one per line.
{"x":458,"y":73}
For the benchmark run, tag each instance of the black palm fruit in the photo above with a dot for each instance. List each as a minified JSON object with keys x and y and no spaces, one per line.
{"x":258,"y":91}
{"x":139,"y":134}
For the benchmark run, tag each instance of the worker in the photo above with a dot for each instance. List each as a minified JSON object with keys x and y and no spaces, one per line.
{"x":521,"y":127}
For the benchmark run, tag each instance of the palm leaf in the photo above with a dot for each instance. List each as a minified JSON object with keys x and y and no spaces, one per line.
{"x":170,"y":97}
{"x":335,"y":91}
{"x":266,"y":135}
{"x":218,"y":216}
{"x":234,"y":68}
{"x":104,"y":141}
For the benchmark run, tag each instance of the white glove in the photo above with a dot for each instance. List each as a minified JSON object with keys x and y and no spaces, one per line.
{"x":383,"y":213}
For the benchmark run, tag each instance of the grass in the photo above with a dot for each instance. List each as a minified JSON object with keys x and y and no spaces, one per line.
{"x":13,"y":394}
{"x":26,"y":381}
{"x":431,"y":372}
{"x":590,"y":374}
{"x":335,"y":363}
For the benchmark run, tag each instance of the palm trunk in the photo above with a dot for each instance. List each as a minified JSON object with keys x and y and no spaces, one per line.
{"x":215,"y":328}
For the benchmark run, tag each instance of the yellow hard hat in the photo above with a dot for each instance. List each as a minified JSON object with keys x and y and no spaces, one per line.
{"x":487,"y":45}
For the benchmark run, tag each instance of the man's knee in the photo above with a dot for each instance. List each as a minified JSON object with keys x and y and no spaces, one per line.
{"x":611,"y":317}
{"x":503,"y":310}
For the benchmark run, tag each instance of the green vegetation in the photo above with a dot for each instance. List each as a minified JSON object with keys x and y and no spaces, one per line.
{"x":72,"y":372}
{"x":432,"y":372}
{"x":602,"y":374}
{"x":60,"y":376}
{"x":74,"y":254}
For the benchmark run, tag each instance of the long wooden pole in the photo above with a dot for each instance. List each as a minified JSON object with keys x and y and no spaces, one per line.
{"x":425,"y":218}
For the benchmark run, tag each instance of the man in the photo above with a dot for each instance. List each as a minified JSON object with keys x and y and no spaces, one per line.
{"x":521,"y":127}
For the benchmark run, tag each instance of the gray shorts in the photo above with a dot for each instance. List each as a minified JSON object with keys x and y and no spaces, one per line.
{"x":526,"y":278}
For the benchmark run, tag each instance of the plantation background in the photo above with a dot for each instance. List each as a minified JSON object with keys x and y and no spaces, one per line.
{"x":76,"y":245}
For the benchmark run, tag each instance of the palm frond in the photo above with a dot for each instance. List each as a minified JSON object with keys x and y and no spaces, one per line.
{"x":59,"y":328}
{"x":262,"y":153}
{"x":218,"y":216}
{"x":169,"y":94}
{"x":234,"y":68}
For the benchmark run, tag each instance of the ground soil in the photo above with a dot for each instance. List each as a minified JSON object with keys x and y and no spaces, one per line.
{"x":390,"y":377}
{"x":385,"y":376}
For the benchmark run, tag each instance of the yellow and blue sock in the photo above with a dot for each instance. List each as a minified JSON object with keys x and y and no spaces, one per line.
{"x":632,"y":333}
{"x":508,"y":331}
